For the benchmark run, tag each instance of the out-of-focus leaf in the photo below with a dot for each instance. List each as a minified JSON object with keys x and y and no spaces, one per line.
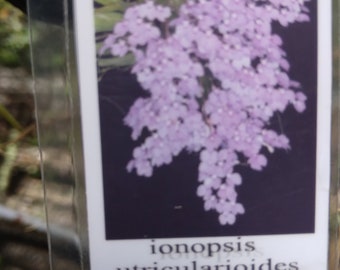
{"x":173,"y":4}
{"x":112,"y":7}
{"x":106,"y":21}
{"x":127,"y":60}
{"x":107,"y":16}
{"x":14,"y":49}
{"x":99,"y":45}
{"x":107,"y":2}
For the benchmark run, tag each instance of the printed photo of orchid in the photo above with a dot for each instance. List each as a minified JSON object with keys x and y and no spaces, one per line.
{"x":208,"y":116}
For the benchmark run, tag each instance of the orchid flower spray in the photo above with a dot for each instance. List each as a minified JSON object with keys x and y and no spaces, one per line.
{"x":215,"y":74}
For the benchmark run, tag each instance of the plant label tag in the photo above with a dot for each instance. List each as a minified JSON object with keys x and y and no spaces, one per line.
{"x":206,"y":129}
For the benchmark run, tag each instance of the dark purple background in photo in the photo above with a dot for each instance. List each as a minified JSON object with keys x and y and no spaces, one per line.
{"x":278,"y":200}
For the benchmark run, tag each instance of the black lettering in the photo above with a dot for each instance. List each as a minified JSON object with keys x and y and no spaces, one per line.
{"x":153,"y":250}
{"x":194,"y":265}
{"x":239,"y":246}
{"x":250,"y":246}
{"x":228,"y":265}
{"x":182,"y":248}
{"x":165,"y":249}
{"x":252,"y":264}
{"x":280,"y":266}
{"x":205,"y":267}
{"x":213,"y":248}
{"x":293,"y":266}
{"x":237,"y":267}
{"x":217,"y":267}
{"x":194,"y":248}
{"x":228,"y":247}
{"x":185,"y":267}
{"x":267,"y":265}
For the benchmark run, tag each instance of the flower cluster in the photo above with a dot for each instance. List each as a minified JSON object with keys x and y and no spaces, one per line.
{"x":216,"y":74}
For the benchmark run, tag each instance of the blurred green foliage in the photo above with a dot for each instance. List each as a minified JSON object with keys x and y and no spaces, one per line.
{"x":14,"y":42}
{"x":107,"y":14}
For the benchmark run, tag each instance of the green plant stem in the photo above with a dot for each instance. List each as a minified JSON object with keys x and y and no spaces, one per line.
{"x":10,"y":155}
{"x":9,"y":118}
{"x":20,"y":136}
